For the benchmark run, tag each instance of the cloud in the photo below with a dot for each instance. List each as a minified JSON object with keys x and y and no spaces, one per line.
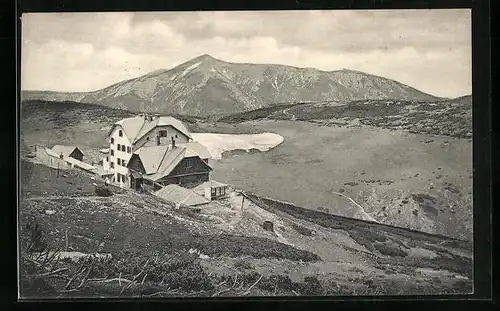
{"x":427,"y":49}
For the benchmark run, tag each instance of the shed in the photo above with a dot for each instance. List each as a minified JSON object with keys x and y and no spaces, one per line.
{"x":68,"y":151}
{"x":180,"y":196}
{"x":212,"y":190}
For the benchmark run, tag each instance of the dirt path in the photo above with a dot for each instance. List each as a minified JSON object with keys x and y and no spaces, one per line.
{"x":365,"y":215}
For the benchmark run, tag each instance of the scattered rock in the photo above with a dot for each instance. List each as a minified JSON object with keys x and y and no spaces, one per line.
{"x":50,"y":212}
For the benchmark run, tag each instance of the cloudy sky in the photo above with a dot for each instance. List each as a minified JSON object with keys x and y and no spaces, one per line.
{"x":426,"y":49}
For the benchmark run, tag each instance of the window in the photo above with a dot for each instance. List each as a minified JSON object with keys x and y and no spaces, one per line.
{"x":176,"y":136}
{"x":112,"y":152}
{"x":112,"y":165}
{"x":119,"y":161}
{"x":124,"y":163}
{"x":123,"y":148}
{"x":162,"y":133}
{"x":147,"y":138}
{"x":112,"y":140}
{"x":129,"y":150}
{"x":189,"y":162}
{"x":107,"y":159}
{"x":118,"y":147}
{"x":214,"y":193}
{"x":120,"y":133}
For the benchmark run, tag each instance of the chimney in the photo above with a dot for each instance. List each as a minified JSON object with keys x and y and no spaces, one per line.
{"x":145,"y":117}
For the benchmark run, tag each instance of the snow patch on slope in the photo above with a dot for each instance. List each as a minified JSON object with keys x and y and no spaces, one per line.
{"x":188,"y":69}
{"x":218,"y":143}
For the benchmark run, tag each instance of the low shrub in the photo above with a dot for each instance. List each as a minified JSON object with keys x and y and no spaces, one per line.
{"x":302,"y":230}
{"x":310,"y":287}
{"x":243,"y":264}
{"x":32,"y":236}
{"x":103,"y":192}
{"x":371,"y":236}
{"x":236,"y":246}
{"x":389,"y":250}
{"x":277,"y":281}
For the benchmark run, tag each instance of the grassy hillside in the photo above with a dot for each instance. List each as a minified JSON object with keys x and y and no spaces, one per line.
{"x":157,"y":251}
{"x":408,"y":180}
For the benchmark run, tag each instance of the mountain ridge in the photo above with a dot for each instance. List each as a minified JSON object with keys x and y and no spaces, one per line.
{"x":205,"y":85}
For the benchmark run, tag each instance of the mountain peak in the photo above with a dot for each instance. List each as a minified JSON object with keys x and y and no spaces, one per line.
{"x":204,"y":57}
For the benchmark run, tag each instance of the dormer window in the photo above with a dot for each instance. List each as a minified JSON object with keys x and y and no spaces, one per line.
{"x":162,"y":133}
{"x":120,"y":133}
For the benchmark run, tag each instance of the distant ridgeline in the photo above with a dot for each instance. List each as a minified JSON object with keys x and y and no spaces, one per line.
{"x":206,"y":86}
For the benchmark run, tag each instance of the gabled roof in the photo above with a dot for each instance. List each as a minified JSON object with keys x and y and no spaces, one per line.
{"x":197,"y":149}
{"x":136,"y":127}
{"x":131,"y":126}
{"x":65,"y":150}
{"x":159,"y":161}
{"x":179,"y":195}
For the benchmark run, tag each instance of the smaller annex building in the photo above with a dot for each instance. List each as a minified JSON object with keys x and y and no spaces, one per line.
{"x":65,"y":151}
{"x":212,"y":190}
{"x":180,"y":196}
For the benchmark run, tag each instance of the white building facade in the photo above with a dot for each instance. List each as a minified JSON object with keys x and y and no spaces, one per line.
{"x":128,"y":135}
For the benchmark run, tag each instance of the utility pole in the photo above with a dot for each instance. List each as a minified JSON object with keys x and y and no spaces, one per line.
{"x":57,"y":169}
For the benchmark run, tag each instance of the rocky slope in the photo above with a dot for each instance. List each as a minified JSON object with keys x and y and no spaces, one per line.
{"x":452,"y":117}
{"x":206,"y":86}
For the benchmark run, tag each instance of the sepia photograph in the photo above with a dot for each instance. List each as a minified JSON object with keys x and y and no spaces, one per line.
{"x":245,"y":154}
